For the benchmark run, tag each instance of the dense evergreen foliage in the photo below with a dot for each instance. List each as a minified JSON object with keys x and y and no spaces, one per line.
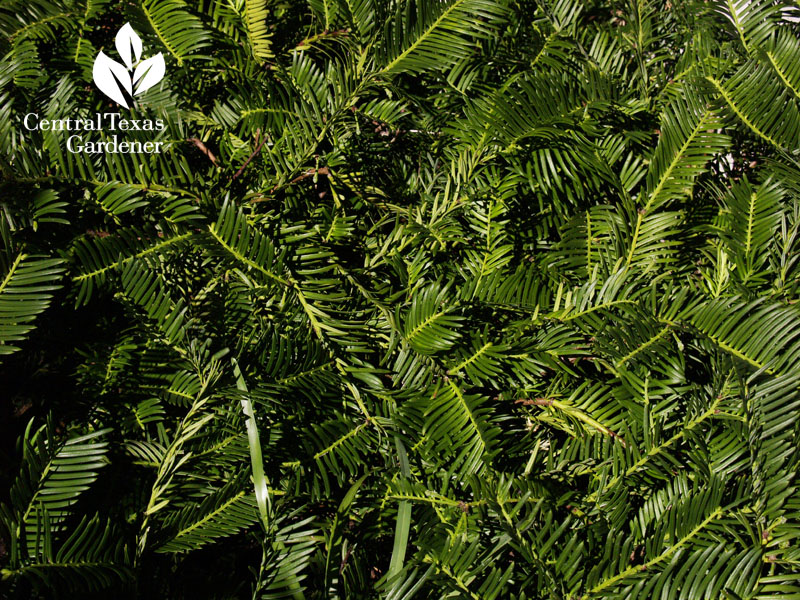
{"x":422,"y":299}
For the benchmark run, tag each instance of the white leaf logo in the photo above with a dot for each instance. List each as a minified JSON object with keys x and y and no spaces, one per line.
{"x":109,"y":75}
{"x":122,"y":82}
{"x":127,"y":41}
{"x":148,"y":73}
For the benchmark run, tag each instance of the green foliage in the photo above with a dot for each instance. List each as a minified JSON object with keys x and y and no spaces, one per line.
{"x":24,"y":293}
{"x":422,"y":299}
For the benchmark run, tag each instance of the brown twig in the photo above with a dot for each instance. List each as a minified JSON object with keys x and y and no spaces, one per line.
{"x":204,"y":149}
{"x":549,"y":402}
{"x":306,"y":175}
{"x":534,"y":402}
{"x":259,"y":145}
{"x":310,"y":173}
